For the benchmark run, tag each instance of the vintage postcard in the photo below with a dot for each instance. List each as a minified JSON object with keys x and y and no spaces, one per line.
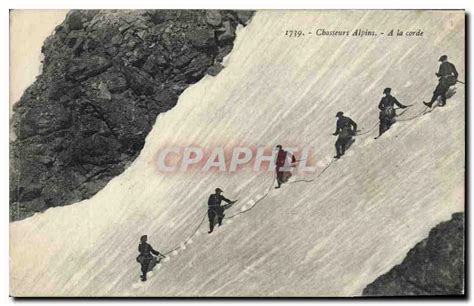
{"x":237,"y":153}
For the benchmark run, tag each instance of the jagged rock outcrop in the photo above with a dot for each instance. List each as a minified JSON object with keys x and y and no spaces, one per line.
{"x":106,"y":77}
{"x":435,"y":266}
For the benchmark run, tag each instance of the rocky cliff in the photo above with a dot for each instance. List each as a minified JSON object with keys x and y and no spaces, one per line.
{"x":435,"y":266}
{"x":106,"y":76}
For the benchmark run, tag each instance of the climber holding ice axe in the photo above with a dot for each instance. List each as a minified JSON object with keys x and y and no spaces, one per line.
{"x":387,"y":110}
{"x":345,"y":129}
{"x":447,"y":77}
{"x":146,"y":258}
{"x":215,"y":208}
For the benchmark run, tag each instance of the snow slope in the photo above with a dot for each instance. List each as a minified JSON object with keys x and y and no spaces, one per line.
{"x":329,"y":237}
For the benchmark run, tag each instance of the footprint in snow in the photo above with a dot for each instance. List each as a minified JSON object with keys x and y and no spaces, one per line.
{"x":368,"y":141}
{"x":320,"y":164}
{"x":136,"y":285}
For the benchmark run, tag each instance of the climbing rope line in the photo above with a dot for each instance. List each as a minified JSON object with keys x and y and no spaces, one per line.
{"x":189,"y":237}
{"x":324,"y":170}
{"x":193,"y":233}
{"x":423,"y":112}
{"x":313,"y":179}
{"x":267,"y":192}
{"x":426,"y":110}
{"x":273,"y":181}
{"x":369,"y":130}
{"x":256,"y":202}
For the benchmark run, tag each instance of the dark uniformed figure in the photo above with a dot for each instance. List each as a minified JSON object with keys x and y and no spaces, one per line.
{"x":345,"y":129}
{"x":146,"y":259}
{"x":282,"y":174}
{"x":387,"y":110}
{"x":448,"y":76}
{"x":215,"y":208}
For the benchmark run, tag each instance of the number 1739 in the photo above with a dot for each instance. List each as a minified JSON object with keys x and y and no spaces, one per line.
{"x":294,"y":33}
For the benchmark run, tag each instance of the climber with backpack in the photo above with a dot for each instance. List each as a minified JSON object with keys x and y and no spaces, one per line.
{"x":345,"y":129}
{"x":145,"y":258}
{"x":387,"y":111}
{"x":448,"y":76}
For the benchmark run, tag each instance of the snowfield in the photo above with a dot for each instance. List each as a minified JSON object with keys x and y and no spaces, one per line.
{"x":327,"y":237}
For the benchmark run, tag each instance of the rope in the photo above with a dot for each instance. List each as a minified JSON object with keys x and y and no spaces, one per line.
{"x":268,"y":191}
{"x":193,"y":233}
{"x":330,"y":163}
{"x":369,"y":130}
{"x":313,"y":179}
{"x":425,"y":111}
{"x":256,"y":202}
{"x":189,"y":237}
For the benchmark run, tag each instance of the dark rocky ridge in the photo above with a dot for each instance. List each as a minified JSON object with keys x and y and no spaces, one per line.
{"x":435,"y":266}
{"x":106,"y":76}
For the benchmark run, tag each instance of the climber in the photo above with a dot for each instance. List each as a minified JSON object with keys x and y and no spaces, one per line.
{"x":215,"y":208}
{"x":281,"y":166}
{"x":448,"y":76}
{"x":345,"y":128}
{"x":387,"y":111}
{"x":146,"y":259}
